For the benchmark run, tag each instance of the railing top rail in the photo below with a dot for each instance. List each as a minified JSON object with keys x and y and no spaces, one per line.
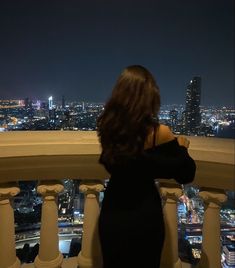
{"x":34,"y":143}
{"x":73,"y":154}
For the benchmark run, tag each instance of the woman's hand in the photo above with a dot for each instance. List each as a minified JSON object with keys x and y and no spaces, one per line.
{"x":183,"y":141}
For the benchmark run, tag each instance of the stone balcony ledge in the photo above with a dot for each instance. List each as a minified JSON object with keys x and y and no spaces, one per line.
{"x":74,"y":154}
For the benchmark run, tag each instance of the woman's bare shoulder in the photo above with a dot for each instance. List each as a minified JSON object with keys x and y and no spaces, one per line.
{"x":163,"y":135}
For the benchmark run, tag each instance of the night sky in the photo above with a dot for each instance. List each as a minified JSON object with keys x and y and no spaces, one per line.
{"x":78,"y":48}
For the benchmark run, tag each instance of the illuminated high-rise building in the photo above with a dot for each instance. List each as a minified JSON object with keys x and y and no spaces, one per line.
{"x":192,"y":108}
{"x":173,"y":114}
{"x":50,"y":103}
{"x":28,"y":104}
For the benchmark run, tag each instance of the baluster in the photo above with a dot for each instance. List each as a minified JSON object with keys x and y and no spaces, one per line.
{"x":90,"y":255}
{"x":170,"y":194}
{"x":211,"y":247}
{"x":49,"y":255}
{"x":8,"y":257}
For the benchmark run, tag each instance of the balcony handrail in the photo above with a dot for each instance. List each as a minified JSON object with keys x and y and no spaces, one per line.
{"x":44,"y":155}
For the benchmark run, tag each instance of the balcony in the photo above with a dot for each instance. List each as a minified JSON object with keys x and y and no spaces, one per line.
{"x":51,"y":156}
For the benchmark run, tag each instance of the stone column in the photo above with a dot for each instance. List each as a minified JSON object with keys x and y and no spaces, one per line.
{"x":170,"y":194}
{"x":211,"y":247}
{"x":90,"y":255}
{"x":8,"y":257}
{"x":49,"y":255}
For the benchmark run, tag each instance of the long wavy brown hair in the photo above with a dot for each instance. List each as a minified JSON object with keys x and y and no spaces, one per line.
{"x":128,"y":116}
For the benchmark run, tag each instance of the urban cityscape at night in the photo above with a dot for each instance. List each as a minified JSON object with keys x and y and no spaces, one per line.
{"x":59,"y":114}
{"x":62,"y":115}
{"x":26,"y":114}
{"x":59,"y":62}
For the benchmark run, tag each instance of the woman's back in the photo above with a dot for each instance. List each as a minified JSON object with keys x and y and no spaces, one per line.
{"x":135,"y":151}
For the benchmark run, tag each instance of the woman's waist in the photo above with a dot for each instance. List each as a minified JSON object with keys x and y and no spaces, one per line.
{"x":125,"y":197}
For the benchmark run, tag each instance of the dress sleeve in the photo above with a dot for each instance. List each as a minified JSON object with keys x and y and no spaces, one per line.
{"x":170,"y":161}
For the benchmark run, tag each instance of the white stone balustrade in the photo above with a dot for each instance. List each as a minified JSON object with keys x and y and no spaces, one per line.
{"x":8,"y":257}
{"x":211,"y":245}
{"x":49,"y":255}
{"x":170,"y":194}
{"x":90,"y":255}
{"x":64,"y":154}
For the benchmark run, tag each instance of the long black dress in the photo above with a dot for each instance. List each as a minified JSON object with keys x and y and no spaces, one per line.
{"x":131,"y":225}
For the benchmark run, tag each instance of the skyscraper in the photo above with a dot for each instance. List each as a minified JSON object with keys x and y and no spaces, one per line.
{"x":50,"y":103}
{"x":173,"y":114}
{"x":51,"y":110}
{"x":192,"y":107}
{"x":28,"y":104}
{"x":63,"y":102}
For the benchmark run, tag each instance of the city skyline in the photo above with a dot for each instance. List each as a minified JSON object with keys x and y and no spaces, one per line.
{"x":78,"y":49}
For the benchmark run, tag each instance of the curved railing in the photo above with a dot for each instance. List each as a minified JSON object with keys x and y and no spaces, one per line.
{"x":54,"y":155}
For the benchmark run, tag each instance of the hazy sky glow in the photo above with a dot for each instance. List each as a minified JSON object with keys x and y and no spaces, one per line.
{"x":78,"y":48}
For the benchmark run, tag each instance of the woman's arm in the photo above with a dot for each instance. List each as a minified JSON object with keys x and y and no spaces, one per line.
{"x":171,"y":160}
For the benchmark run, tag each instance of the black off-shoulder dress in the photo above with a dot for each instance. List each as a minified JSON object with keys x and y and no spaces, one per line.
{"x":131,"y":225}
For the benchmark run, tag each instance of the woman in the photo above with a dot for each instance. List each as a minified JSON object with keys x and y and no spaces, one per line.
{"x":136,"y":149}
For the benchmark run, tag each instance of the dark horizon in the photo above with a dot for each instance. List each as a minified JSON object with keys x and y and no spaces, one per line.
{"x":78,"y":48}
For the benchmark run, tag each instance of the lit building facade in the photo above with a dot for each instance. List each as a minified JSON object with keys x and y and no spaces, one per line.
{"x":50,"y":103}
{"x":192,"y":108}
{"x":229,"y":252}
